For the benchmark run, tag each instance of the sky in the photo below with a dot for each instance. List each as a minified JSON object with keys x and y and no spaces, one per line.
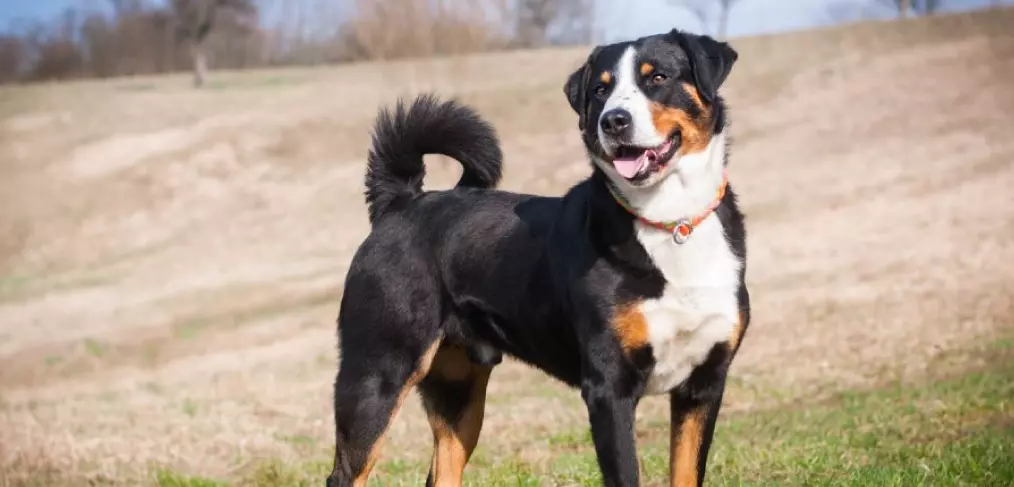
{"x":622,"y":19}
{"x":748,"y":17}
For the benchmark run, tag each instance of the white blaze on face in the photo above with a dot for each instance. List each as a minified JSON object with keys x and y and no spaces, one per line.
{"x":627,"y":95}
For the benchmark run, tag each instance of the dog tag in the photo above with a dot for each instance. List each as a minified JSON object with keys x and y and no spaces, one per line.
{"x":681,"y":232}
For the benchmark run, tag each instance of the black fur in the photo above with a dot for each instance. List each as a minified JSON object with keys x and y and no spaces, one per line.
{"x":394,"y":167}
{"x":534,"y":277}
{"x":710,"y":61}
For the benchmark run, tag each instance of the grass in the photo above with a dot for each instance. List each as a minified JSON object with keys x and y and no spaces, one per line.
{"x":165,"y":478}
{"x":956,"y":432}
{"x":189,"y":407}
{"x":18,"y":287}
{"x":94,"y":348}
{"x":953,"y":432}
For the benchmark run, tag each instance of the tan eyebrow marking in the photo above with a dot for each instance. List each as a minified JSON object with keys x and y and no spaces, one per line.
{"x":646,"y":68}
{"x":606,"y":77}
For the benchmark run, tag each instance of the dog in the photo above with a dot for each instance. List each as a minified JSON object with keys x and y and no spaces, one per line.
{"x":630,"y":284}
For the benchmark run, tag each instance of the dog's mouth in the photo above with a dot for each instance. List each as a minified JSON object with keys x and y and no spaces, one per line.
{"x":636,"y":164}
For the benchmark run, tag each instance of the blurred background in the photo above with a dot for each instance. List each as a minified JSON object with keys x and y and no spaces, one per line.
{"x":181,"y":189}
{"x":63,"y":39}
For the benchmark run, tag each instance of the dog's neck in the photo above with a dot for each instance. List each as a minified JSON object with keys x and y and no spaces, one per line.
{"x":687,"y":190}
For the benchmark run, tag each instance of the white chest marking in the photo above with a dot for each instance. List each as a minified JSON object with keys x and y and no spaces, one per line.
{"x":698,"y":307}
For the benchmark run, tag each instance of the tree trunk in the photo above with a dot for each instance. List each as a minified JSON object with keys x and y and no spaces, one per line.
{"x":926,"y":7}
{"x":904,"y":7}
{"x":200,"y":63}
{"x":723,"y":21}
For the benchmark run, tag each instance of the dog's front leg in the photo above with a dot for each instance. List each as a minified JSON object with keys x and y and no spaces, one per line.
{"x":609,"y":390}
{"x":692,"y":428}
{"x":694,"y":408}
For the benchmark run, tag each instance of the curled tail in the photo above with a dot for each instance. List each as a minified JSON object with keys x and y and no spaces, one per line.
{"x":394,"y":168}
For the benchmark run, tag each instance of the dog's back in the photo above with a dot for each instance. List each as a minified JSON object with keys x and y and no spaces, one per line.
{"x":473,"y":249}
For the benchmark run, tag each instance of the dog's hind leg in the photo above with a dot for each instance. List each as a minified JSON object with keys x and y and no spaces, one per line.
{"x":368,"y":394}
{"x":454,"y":395}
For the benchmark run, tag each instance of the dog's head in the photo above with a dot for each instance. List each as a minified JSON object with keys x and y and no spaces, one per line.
{"x":644,"y":104}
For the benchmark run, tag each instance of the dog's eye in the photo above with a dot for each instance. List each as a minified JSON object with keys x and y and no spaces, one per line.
{"x":600,"y":90}
{"x":658,"y":78}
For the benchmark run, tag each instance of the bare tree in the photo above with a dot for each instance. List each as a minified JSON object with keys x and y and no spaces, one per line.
{"x":904,"y":7}
{"x":533,"y":20}
{"x":927,"y":7}
{"x":575,"y":22}
{"x":196,"y":19}
{"x":702,"y":9}
{"x":723,"y":17}
{"x":104,"y":38}
{"x":98,"y":41}
{"x":13,"y":58}
{"x":123,"y":8}
{"x":908,"y":8}
{"x":844,"y":11}
{"x":542,"y":22}
{"x":388,"y":29}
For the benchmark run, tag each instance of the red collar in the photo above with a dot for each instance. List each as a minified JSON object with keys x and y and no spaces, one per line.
{"x":682,"y":228}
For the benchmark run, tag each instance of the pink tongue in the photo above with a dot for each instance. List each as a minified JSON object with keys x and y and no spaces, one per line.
{"x":628,"y":167}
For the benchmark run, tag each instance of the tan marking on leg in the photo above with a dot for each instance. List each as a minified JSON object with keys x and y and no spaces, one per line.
{"x":646,"y":68}
{"x":606,"y":77}
{"x":421,"y":370}
{"x":737,"y":334}
{"x":630,"y":327}
{"x":453,"y":444}
{"x":685,"y":448}
{"x":451,"y":363}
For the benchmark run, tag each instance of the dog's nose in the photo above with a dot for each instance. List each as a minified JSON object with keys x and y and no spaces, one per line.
{"x":616,"y":122}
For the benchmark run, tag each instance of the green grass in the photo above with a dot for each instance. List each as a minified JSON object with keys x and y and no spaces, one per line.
{"x":165,"y":478}
{"x":189,"y":407}
{"x":94,"y":348}
{"x":955,"y":432}
{"x":18,"y":287}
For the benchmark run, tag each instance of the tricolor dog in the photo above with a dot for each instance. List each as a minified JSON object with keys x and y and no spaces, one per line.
{"x":630,"y":284}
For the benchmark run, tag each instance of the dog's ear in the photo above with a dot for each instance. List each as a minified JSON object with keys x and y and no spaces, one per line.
{"x":710,"y":61}
{"x":576,"y":89}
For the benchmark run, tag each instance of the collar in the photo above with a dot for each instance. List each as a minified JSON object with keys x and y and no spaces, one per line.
{"x":682,"y":228}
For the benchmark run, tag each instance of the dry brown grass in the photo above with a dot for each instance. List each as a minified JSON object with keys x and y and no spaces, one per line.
{"x":172,"y":259}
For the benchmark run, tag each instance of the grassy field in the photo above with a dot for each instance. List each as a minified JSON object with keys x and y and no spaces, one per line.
{"x":171,"y":265}
{"x":955,"y":431}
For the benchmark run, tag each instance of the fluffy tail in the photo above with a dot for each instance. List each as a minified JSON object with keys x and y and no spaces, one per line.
{"x":395,"y":170}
